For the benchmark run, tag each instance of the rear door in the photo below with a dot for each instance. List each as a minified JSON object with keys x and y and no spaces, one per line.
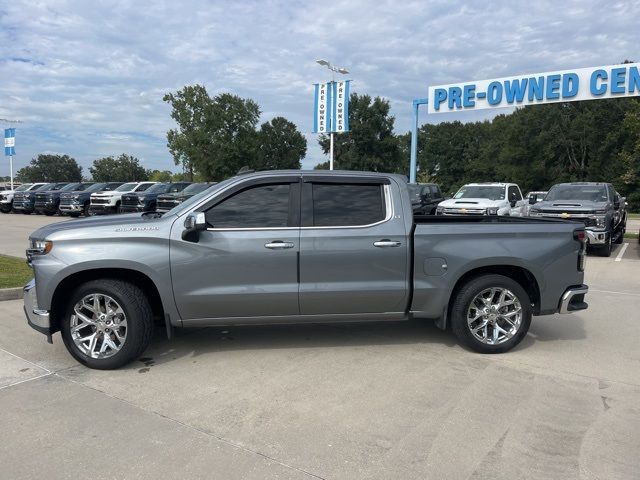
{"x":353,"y":247}
{"x":246,"y":263}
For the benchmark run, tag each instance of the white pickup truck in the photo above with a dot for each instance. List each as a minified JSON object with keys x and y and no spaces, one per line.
{"x":485,"y":199}
{"x":109,"y":201}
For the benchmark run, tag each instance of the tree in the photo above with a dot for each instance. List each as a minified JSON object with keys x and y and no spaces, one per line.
{"x":51,"y":168}
{"x":125,"y":168}
{"x":280,"y":145}
{"x":160,"y":176}
{"x":215,"y":136}
{"x":370,"y":144}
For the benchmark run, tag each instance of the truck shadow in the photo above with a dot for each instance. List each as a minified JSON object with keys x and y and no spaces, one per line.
{"x":195,"y":342}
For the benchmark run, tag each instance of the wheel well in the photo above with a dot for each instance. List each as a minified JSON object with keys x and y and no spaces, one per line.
{"x":66,"y":287}
{"x":521,"y":275}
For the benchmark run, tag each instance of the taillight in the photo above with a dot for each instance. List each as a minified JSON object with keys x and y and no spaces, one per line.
{"x":581,"y":237}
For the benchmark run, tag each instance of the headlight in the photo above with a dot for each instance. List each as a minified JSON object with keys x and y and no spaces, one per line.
{"x":141,"y":199}
{"x":27,"y":196}
{"x":40,"y":247}
{"x":492,"y":211}
{"x":600,"y":220}
{"x":76,"y":197}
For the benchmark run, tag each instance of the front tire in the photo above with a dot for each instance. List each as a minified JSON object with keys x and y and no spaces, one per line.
{"x":107,"y":323}
{"x":491,"y":314}
{"x":605,"y":250}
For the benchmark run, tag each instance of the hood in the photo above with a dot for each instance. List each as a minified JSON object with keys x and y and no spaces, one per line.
{"x":471,"y":203}
{"x":83,"y":227}
{"x":570,"y":205}
{"x":107,"y":193}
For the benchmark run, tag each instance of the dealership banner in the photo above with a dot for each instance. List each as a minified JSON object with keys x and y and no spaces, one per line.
{"x":9,"y":142}
{"x":340,"y":115}
{"x":594,"y":83}
{"x":331,"y":107}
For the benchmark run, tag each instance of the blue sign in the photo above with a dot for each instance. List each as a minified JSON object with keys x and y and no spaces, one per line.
{"x":331,"y":107}
{"x":550,"y":87}
{"x":9,"y":142}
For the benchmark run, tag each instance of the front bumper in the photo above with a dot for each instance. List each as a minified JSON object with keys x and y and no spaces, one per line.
{"x":132,"y":208}
{"x":45,"y":207}
{"x":106,"y":208}
{"x":37,"y":318}
{"x":596,"y":237}
{"x":70,"y":207}
{"x":573,"y":299}
{"x":26,"y":206}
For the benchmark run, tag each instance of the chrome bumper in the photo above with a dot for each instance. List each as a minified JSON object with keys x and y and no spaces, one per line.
{"x":596,"y":237}
{"x":573,"y":299}
{"x":38,"y":319}
{"x":65,"y":207}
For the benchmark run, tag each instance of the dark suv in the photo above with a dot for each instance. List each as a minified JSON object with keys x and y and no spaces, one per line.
{"x":25,"y":201}
{"x":146,"y":201}
{"x":424,"y":198}
{"x":597,"y":205}
{"x":76,"y":202}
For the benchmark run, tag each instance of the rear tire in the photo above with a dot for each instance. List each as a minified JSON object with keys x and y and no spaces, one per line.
{"x":135,"y":318}
{"x":489,"y":322}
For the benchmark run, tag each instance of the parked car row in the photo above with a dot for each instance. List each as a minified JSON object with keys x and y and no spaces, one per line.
{"x":93,"y":198}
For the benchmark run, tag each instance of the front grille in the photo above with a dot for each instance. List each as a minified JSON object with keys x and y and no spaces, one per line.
{"x":164,"y":205}
{"x":464,"y":211}
{"x":100,"y":201}
{"x":130,"y":200}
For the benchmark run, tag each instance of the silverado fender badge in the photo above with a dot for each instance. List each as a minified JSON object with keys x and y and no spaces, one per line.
{"x":136,"y":229}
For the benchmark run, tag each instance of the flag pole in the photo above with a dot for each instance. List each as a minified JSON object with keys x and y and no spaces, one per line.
{"x":11,"y":169}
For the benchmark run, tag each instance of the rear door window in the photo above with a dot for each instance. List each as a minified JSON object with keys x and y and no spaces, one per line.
{"x":343,"y":205}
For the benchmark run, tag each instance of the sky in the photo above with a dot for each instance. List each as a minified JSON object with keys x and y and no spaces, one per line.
{"x":86,"y":78}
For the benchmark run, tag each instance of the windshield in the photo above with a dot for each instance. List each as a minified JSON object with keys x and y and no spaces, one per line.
{"x":127,"y":187}
{"x":144,"y":186}
{"x":24,"y":187}
{"x":159,"y":188}
{"x":83,"y":187}
{"x":46,"y":186}
{"x":71,"y":187}
{"x":593,"y":193}
{"x":96,"y":187}
{"x":480,"y":191}
{"x":196,"y":198}
{"x":196,"y":188}
{"x":415,"y":190}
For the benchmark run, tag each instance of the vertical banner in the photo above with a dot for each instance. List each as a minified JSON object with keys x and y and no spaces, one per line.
{"x":9,"y":141}
{"x":341,"y":106}
{"x":322,"y":108}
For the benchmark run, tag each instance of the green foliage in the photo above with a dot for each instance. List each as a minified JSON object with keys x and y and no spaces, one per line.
{"x":125,"y":168}
{"x":51,"y":168}
{"x":160,"y":175}
{"x":14,"y":272}
{"x":370,"y":144}
{"x":280,"y":145}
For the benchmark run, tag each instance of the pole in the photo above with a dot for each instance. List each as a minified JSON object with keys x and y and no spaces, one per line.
{"x":11,"y":169}
{"x":413,"y":166}
{"x":331,"y":151}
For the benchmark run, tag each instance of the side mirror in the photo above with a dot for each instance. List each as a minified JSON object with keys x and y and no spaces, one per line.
{"x":513,"y":203}
{"x":193,"y":224}
{"x":532,"y":200}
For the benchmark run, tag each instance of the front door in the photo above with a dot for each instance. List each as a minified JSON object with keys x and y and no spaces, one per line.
{"x":354,"y":255}
{"x":245,"y":263}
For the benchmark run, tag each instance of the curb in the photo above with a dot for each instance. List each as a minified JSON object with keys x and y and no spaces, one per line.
{"x":10,"y":293}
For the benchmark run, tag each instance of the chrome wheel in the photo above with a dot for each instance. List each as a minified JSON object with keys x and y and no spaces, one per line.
{"x":98,"y":326}
{"x":494,"y":315}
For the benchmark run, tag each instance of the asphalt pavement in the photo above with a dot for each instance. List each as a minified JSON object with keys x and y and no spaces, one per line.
{"x":369,"y":400}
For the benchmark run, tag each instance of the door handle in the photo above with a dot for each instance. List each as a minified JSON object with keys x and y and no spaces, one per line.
{"x":278,"y":245}
{"x":386,"y":243}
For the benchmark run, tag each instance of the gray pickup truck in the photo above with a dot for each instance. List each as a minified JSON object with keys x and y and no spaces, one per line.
{"x":595,"y":204}
{"x":295,"y":246}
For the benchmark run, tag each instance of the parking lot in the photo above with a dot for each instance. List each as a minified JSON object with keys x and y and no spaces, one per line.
{"x":369,"y":400}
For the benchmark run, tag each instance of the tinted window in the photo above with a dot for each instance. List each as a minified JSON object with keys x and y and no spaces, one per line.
{"x":435,"y":190}
{"x":594,"y":193}
{"x":127,"y":187}
{"x":336,"y":205}
{"x":143,"y":186}
{"x":480,"y":191}
{"x":514,"y":193}
{"x":71,"y":187}
{"x":261,"y":206}
{"x":159,"y":188}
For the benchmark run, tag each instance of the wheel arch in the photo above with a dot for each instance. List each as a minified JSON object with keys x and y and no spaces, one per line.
{"x":66,"y":287}
{"x":524,"y":277}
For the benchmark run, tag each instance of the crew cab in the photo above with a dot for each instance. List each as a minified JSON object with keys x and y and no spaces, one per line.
{"x":110,"y":201}
{"x":76,"y":202}
{"x":147,"y":201}
{"x":595,"y":204}
{"x":6,"y":197}
{"x":298,"y":246}
{"x":484,"y":199}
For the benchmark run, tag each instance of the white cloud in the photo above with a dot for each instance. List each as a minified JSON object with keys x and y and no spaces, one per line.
{"x":87,"y":78}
